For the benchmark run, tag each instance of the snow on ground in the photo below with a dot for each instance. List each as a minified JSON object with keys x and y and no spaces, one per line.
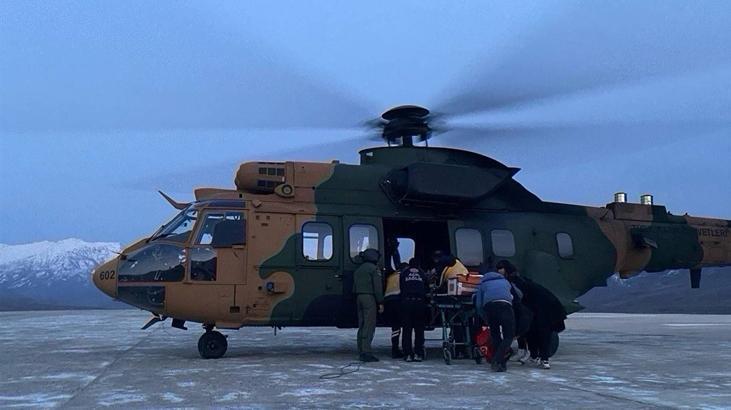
{"x":98,"y":359}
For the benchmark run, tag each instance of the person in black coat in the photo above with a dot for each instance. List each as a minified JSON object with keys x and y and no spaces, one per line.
{"x":414,"y":288}
{"x":548,"y":317}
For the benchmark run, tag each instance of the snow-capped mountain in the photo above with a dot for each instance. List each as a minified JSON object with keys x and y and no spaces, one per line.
{"x":52,"y":274}
{"x":55,"y":275}
{"x":664,"y":292}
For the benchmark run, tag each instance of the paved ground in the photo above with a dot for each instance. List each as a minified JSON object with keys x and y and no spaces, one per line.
{"x":101,"y":358}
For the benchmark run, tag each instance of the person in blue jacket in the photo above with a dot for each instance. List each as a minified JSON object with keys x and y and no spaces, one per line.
{"x":494,"y":304}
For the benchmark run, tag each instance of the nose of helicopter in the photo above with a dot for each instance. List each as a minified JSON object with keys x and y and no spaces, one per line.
{"x":105,"y":277}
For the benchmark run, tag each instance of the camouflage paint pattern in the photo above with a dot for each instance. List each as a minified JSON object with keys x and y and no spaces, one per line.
{"x":270,"y":282}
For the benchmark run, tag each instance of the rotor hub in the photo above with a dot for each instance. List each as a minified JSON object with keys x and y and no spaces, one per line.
{"x":400,"y":125}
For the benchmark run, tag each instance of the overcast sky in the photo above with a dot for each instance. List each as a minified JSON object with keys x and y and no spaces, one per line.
{"x":103,"y":103}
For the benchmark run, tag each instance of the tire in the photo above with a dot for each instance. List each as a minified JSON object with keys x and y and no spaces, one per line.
{"x":212,"y":345}
{"x":553,"y":345}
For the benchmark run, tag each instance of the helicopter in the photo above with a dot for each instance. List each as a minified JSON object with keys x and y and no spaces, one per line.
{"x":281,"y":247}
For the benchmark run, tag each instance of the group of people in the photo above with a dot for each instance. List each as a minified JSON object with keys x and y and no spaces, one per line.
{"x":514,"y":306}
{"x":511,"y":305}
{"x":404,"y":304}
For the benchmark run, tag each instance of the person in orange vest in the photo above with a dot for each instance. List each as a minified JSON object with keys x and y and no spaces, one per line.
{"x":447,"y":266}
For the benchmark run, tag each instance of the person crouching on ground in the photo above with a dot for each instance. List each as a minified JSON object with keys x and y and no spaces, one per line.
{"x":414,"y":288}
{"x":494,"y":304}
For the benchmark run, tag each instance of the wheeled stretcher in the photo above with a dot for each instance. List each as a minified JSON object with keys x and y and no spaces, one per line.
{"x":456,"y":315}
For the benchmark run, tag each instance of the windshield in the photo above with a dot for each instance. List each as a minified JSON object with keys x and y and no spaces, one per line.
{"x":179,"y":228}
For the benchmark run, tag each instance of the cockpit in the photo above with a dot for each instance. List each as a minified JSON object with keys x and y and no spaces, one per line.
{"x":194,"y":235}
{"x":179,"y":228}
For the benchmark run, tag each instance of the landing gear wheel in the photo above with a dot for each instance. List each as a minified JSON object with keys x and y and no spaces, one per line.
{"x":477,"y":355}
{"x":447,"y":355}
{"x":212,"y":345}
{"x":553,"y":345}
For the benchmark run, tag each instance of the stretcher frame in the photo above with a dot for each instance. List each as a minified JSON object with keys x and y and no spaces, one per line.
{"x":455,"y":313}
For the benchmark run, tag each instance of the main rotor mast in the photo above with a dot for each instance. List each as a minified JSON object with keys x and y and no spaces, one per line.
{"x":400,"y":125}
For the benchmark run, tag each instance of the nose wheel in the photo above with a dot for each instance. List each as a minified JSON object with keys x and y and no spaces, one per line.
{"x":212,"y":345}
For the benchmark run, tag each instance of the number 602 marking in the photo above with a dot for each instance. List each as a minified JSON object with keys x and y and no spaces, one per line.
{"x":107,"y":275}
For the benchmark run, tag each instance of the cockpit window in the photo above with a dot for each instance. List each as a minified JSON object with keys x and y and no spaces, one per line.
{"x":212,"y":231}
{"x":205,"y":235}
{"x":179,"y":228}
{"x":154,"y":263}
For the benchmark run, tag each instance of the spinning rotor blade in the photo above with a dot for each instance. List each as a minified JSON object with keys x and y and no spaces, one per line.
{"x":595,"y":46}
{"x":175,"y":68}
{"x":562,"y":146}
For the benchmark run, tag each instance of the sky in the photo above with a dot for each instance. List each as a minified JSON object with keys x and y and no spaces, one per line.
{"x":104,"y":103}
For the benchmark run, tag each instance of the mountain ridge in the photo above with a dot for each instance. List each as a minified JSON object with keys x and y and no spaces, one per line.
{"x":53,"y":275}
{"x":57,"y":275}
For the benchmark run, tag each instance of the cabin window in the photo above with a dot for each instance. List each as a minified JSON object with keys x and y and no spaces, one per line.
{"x":401,"y":250}
{"x":362,"y":237}
{"x":406,"y":249}
{"x":565,"y":245}
{"x":317,"y":241}
{"x":469,"y":246}
{"x":503,"y":243}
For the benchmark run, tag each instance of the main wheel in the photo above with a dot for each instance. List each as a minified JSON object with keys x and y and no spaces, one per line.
{"x":212,"y":345}
{"x":553,"y":345}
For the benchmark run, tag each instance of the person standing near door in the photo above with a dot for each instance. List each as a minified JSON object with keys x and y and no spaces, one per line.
{"x":368,"y":289}
{"x":414,"y":288}
{"x":392,"y":304}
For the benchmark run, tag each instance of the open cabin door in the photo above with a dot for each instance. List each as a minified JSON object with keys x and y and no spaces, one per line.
{"x":359,"y":233}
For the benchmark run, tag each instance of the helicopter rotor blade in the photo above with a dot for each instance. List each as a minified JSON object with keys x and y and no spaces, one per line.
{"x":587,"y":49}
{"x":554,"y":146}
{"x":180,"y":68}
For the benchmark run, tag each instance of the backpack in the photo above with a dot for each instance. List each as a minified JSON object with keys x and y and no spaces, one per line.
{"x":484,"y":343}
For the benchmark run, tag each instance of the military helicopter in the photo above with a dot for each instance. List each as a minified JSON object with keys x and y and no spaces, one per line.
{"x":280,"y":248}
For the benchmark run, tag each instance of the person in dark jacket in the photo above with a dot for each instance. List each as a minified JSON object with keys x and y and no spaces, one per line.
{"x":523,"y":315}
{"x":414,"y":286}
{"x":368,"y":288}
{"x":548,"y":317}
{"x":494,"y":304}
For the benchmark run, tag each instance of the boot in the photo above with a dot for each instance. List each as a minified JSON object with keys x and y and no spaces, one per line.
{"x":368,"y":358}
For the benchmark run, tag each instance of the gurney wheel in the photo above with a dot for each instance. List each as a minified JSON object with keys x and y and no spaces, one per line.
{"x":447,"y":356}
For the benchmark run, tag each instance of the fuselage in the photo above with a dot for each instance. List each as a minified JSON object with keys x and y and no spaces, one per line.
{"x":280,"y":248}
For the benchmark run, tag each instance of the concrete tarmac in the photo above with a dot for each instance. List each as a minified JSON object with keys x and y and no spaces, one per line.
{"x":96,"y":359}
